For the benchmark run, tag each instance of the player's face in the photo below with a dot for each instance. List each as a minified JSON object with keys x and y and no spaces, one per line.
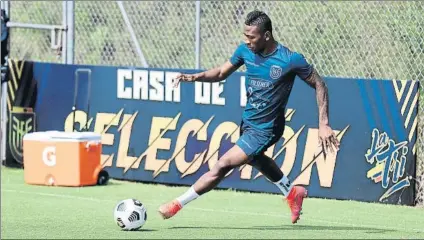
{"x":254,"y":39}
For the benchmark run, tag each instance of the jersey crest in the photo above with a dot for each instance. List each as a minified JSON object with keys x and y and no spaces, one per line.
{"x":275,"y":72}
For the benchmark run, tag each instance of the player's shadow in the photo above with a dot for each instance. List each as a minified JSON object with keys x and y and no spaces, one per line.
{"x":298,"y":227}
{"x":143,"y":230}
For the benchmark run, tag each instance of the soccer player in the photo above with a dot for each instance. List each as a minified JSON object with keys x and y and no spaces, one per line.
{"x":271,"y":70}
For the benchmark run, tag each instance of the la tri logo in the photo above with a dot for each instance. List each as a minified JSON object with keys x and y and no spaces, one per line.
{"x":389,"y":160}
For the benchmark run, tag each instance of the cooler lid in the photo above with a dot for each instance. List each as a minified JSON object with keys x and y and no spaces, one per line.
{"x":63,"y":136}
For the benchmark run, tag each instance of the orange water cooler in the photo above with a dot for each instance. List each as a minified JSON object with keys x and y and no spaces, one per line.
{"x":62,"y":158}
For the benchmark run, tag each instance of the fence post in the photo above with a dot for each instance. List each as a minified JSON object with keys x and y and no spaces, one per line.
{"x":197,"y":64}
{"x":65,"y":32}
{"x":6,"y":6}
{"x":3,"y":97}
{"x":70,"y":23}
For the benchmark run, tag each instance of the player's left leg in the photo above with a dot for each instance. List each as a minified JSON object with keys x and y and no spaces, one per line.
{"x":294,"y":195}
{"x":234,"y":157}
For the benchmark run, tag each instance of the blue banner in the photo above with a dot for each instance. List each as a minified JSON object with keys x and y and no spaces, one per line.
{"x":152,"y":132}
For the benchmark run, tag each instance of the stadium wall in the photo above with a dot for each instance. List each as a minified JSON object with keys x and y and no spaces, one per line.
{"x":155,"y":133}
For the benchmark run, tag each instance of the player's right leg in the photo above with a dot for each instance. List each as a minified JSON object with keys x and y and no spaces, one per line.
{"x":294,"y":195}
{"x":232,"y":158}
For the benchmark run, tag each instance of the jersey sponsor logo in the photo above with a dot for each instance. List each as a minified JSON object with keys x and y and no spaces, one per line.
{"x":261,"y":83}
{"x":251,"y":63}
{"x":275,"y":72}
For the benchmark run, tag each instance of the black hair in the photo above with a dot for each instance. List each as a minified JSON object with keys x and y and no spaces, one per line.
{"x":259,"y":19}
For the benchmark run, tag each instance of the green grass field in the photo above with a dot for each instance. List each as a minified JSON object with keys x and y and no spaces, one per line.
{"x":57,"y":212}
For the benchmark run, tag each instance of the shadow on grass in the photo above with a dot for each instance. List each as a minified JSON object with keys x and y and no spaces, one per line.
{"x":142,"y":230}
{"x":298,"y":227}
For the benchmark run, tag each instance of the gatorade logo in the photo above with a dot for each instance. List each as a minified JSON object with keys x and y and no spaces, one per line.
{"x":49,"y":156}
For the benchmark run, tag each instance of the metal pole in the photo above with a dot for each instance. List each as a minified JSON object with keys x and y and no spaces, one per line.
{"x":3,"y":118}
{"x":6,"y":6}
{"x":132,"y":33}
{"x":3,"y":98}
{"x":197,"y":35}
{"x":70,"y":22}
{"x":34,"y":26}
{"x":65,"y":33}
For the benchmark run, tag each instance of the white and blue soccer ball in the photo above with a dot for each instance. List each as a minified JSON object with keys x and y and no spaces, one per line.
{"x":130,"y":214}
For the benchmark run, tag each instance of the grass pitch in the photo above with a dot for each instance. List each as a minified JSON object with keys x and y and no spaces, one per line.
{"x":35,"y":212}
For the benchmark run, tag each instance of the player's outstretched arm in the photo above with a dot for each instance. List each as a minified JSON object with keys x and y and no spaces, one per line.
{"x":213,"y":75}
{"x":326,"y":134}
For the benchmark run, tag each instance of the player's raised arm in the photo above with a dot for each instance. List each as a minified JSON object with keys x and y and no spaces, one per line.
{"x":216,"y":74}
{"x":306,"y":72}
{"x":213,"y":75}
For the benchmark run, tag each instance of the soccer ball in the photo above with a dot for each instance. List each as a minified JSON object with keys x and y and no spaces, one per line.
{"x":130,"y":214}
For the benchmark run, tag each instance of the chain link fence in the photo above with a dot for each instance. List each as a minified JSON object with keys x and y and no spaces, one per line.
{"x":165,"y":32}
{"x":34,"y":44}
{"x":383,"y":40}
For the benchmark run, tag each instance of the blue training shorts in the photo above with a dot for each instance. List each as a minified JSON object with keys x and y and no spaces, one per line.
{"x":254,"y":142}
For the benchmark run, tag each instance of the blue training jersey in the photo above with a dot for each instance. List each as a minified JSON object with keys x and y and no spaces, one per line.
{"x":269,"y":80}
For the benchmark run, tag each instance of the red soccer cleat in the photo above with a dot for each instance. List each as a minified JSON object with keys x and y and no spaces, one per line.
{"x":168,"y":210}
{"x":295,"y":201}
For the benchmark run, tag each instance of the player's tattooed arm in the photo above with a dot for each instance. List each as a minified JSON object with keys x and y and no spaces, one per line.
{"x":327,"y":138}
{"x":213,"y":75}
{"x":315,"y":81}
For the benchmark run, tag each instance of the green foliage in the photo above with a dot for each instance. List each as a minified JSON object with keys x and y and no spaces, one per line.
{"x":352,"y":39}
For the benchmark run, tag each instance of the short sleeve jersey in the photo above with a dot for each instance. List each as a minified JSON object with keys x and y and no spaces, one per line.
{"x":269,"y":80}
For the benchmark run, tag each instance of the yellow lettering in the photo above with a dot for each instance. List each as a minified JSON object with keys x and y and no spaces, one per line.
{"x":190,"y":167}
{"x":229,"y":128}
{"x":289,"y":146}
{"x":80,"y":117}
{"x":123,"y":160}
{"x":156,"y":142}
{"x":106,"y":160}
{"x":246,"y":171}
{"x":325,"y":167}
{"x":290,"y":141}
{"x":103,"y":122}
